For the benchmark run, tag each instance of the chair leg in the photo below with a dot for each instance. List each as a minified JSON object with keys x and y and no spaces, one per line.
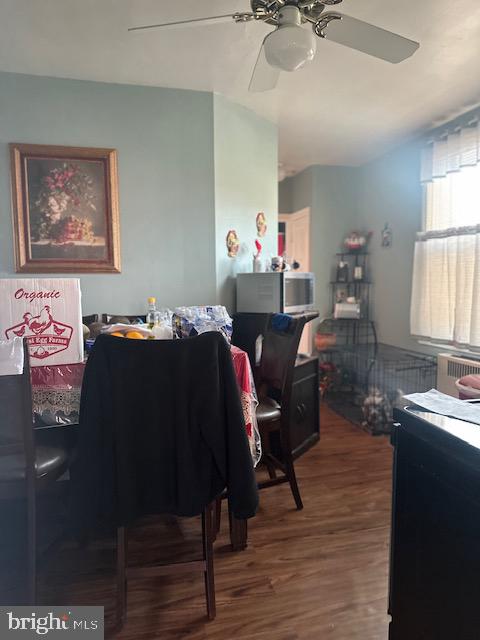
{"x":31,"y":548}
{"x":270,"y":468}
{"x":292,"y":479}
{"x":217,"y":510}
{"x":121,"y":576}
{"x":266,"y":455}
{"x":238,"y":532}
{"x":207,"y":538}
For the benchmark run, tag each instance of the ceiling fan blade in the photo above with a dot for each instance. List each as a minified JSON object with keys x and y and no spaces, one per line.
{"x":369,"y":39}
{"x":197,"y":22}
{"x":264,"y":77}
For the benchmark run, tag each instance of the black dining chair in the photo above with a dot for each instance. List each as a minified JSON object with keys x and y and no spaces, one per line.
{"x":88,"y":320}
{"x":25,"y":469}
{"x":275,"y":412}
{"x":162,"y":432}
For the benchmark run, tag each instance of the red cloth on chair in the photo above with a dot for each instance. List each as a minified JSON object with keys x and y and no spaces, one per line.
{"x":56,"y":392}
{"x":241,"y":365}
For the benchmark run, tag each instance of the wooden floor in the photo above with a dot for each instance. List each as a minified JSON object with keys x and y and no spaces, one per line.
{"x":318,"y":574}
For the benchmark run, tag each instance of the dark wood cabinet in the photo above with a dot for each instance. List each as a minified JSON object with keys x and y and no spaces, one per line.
{"x":435,"y":549}
{"x":305,"y":418}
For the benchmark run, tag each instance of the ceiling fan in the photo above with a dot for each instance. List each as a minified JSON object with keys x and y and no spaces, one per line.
{"x":291,"y":45}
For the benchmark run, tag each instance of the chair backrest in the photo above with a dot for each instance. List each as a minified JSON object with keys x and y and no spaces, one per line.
{"x":162,"y":423}
{"x":279,"y":354}
{"x":86,"y":320}
{"x":246,"y":329}
{"x":277,"y":369}
{"x":109,"y":318}
{"x":16,"y":422}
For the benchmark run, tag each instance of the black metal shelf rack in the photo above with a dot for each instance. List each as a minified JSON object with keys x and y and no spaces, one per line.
{"x":361,"y":379}
{"x":359,"y":288}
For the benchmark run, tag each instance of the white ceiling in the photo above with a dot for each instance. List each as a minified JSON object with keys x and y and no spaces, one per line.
{"x":344,"y":108}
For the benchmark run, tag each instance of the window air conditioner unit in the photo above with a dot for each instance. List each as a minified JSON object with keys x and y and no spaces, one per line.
{"x":451,"y":368}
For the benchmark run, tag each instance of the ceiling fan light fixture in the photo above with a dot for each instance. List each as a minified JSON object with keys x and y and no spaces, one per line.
{"x":290,"y":47}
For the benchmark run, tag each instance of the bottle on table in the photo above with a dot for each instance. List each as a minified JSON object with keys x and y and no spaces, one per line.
{"x":153,"y":315}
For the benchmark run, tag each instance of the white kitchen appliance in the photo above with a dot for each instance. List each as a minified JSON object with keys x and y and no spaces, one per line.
{"x":275,"y":292}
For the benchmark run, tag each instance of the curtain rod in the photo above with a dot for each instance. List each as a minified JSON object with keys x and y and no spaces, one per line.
{"x":443,"y":131}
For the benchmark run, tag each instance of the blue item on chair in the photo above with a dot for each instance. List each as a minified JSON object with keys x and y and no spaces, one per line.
{"x":281,"y":322}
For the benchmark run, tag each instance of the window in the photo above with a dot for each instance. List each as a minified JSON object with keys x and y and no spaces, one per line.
{"x":453,"y":201}
{"x":446,"y":280}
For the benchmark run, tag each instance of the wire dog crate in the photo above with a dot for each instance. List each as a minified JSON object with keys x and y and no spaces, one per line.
{"x":369,"y":380}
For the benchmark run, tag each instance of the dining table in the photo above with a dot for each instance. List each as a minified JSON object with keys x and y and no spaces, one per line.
{"x":56,"y":393}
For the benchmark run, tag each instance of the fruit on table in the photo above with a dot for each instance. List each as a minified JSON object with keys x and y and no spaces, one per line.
{"x":118,"y":334}
{"x":135,"y":335}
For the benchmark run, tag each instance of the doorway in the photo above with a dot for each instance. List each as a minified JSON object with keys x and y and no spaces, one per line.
{"x":294,"y":242}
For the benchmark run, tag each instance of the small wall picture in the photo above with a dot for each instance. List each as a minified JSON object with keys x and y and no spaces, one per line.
{"x":65,"y":209}
{"x":261,"y":223}
{"x":233,"y":243}
{"x":386,"y":236}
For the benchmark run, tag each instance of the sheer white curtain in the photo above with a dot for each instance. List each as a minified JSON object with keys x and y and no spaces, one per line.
{"x":446,"y":278}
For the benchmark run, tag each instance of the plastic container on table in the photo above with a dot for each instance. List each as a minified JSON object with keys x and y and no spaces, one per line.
{"x":468,"y":387}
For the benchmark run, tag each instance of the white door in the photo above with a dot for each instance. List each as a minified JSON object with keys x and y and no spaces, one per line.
{"x":297,"y":247}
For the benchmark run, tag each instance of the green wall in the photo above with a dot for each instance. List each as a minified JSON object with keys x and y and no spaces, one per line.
{"x":191,"y":164}
{"x":164,"y":140}
{"x":246,"y":182}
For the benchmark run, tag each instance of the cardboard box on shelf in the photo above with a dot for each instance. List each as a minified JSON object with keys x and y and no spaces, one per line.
{"x":46,"y":311}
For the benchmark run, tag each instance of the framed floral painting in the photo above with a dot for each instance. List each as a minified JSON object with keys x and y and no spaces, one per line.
{"x":65,"y":209}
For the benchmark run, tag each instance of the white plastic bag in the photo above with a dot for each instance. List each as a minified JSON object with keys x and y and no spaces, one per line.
{"x":11,"y":357}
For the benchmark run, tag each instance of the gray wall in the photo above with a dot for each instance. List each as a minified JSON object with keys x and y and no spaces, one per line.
{"x":390,"y":191}
{"x":246,"y":182}
{"x":296,"y":193}
{"x":165,"y":146}
{"x":331,"y":194}
{"x":346,"y":198}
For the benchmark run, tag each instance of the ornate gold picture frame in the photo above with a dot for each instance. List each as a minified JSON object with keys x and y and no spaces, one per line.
{"x":65,"y":209}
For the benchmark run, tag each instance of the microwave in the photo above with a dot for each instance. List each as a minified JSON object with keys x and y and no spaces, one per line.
{"x":275,"y":292}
